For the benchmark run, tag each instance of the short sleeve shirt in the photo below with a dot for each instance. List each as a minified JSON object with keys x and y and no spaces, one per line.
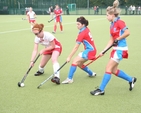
{"x":48,"y":37}
{"x":85,"y":37}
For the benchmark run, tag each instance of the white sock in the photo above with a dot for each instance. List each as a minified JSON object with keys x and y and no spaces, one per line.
{"x":31,"y":27}
{"x":41,"y":69}
{"x":55,"y":68}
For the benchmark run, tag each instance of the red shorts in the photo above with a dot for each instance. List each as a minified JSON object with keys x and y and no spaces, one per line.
{"x":58,"y":19}
{"x":49,"y":52}
{"x":91,"y":55}
{"x":31,"y":21}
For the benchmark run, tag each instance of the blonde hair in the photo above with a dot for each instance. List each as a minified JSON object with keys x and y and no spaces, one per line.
{"x":114,"y":9}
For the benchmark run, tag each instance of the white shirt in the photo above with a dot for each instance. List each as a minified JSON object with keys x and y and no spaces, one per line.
{"x":31,"y":15}
{"x":48,"y":37}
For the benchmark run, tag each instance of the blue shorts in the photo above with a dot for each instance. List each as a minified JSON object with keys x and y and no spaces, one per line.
{"x":88,"y":54}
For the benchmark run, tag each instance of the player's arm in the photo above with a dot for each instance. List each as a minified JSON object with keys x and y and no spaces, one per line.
{"x":50,"y":47}
{"x":125,"y":30}
{"x":35,"y":16}
{"x":62,"y":11}
{"x":108,"y":45}
{"x":124,"y":35}
{"x":60,"y":14}
{"x":73,"y":51}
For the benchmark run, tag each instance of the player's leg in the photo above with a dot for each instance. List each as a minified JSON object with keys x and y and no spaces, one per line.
{"x":61,"y":26}
{"x":123,"y":75}
{"x":56,"y":66}
{"x":72,"y":70}
{"x":60,"y":22}
{"x":55,"y":27}
{"x":106,"y":78}
{"x":120,"y":73}
{"x":78,"y":61}
{"x":32,"y":23}
{"x":44,"y":60}
{"x":87,"y":55}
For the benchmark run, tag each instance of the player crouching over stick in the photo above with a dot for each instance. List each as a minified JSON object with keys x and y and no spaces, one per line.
{"x":51,"y":51}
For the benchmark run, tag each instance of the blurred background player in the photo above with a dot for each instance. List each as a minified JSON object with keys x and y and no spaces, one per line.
{"x":51,"y":51}
{"x":67,"y":10}
{"x":58,"y":12}
{"x":89,"y":52}
{"x":31,"y":17}
{"x":26,"y":11}
{"x":119,"y":32}
{"x":51,"y":12}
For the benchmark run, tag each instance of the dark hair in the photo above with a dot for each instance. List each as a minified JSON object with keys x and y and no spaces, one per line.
{"x":82,"y":20}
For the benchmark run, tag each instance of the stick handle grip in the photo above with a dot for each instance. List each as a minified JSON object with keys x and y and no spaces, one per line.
{"x":36,"y":58}
{"x":107,"y":49}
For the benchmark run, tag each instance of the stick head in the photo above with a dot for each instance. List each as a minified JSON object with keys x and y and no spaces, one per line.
{"x":39,"y":86}
{"x":19,"y":84}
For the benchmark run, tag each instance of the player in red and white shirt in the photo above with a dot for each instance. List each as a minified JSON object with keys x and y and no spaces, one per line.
{"x":51,"y":51}
{"x":31,"y":17}
{"x":89,"y":52}
{"x":58,"y":18}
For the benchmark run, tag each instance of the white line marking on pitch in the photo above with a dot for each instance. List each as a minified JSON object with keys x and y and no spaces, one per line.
{"x":12,"y":31}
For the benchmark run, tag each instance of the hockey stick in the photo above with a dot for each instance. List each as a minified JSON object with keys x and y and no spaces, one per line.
{"x":98,"y":56}
{"x":51,"y":19}
{"x":51,"y":76}
{"x":21,"y":84}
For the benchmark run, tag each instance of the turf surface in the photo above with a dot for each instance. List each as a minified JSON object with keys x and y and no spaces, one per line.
{"x":16,"y":44}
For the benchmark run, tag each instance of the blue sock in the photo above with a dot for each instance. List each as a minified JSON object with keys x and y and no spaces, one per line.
{"x":105,"y":81}
{"x":71,"y":72}
{"x":87,"y":70}
{"x":124,"y":76}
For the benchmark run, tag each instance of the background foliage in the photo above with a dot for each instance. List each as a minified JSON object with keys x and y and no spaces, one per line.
{"x":63,"y":3}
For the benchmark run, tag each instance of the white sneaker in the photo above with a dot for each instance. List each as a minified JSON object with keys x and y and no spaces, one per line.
{"x":67,"y":81}
{"x":93,"y":75}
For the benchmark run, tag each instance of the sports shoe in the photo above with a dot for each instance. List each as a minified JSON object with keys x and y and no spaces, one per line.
{"x":93,"y":75}
{"x":38,"y":73}
{"x":131,"y":84}
{"x":97,"y":92}
{"x":56,"y":80}
{"x":67,"y":81}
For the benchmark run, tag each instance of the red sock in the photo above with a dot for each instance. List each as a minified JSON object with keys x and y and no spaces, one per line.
{"x":55,"y":27}
{"x":61,"y":27}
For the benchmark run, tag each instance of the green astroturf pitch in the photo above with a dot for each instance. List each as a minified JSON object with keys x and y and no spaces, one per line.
{"x":16,"y":45}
